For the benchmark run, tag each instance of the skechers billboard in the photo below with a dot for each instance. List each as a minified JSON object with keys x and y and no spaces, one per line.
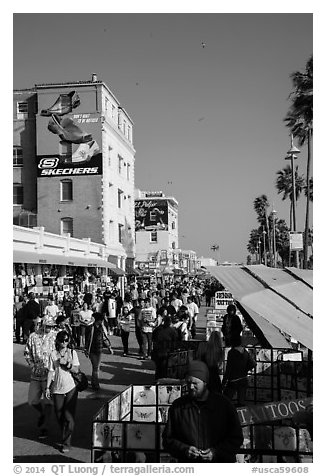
{"x":69,"y":139}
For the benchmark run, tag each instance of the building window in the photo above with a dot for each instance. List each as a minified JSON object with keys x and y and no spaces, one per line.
{"x":67,"y":226}
{"x":22,"y":110}
{"x":17,"y":156}
{"x":120,"y":164}
{"x":129,"y":133}
{"x":110,"y":155}
{"x":106,"y":105}
{"x":173,"y":225}
{"x":18,"y":193}
{"x":120,"y":232}
{"x":173,"y":245}
{"x":66,"y":190}
{"x":128,"y":171}
{"x":153,"y":236}
{"x":124,"y":127}
{"x":113,"y":111}
{"x":152,"y":216}
{"x":120,"y":192}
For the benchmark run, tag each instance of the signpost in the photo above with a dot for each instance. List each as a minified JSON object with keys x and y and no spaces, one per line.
{"x":296,"y":241}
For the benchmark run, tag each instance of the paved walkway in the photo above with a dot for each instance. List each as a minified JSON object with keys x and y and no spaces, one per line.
{"x":116,"y":373}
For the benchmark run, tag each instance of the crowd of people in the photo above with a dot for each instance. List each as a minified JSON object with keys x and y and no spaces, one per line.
{"x":162,"y":318}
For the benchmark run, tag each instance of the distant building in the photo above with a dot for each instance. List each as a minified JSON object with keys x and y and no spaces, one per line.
{"x":156,"y":227}
{"x":207,"y":261}
{"x":74,"y":161}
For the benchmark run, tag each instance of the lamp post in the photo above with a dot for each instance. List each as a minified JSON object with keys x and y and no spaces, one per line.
{"x":264,"y":246}
{"x":291,"y":156}
{"x":274,"y":212}
{"x":259,"y":251}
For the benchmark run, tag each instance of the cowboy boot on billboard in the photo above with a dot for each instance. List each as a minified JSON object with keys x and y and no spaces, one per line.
{"x":63,"y":105}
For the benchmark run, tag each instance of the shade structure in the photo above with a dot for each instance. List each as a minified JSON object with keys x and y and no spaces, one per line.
{"x":275,"y":299}
{"x":20,"y":256}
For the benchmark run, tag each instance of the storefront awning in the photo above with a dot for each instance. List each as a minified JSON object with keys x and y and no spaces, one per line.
{"x":132,"y":272}
{"x":47,"y":258}
{"x":269,"y":296}
{"x":115,"y":271}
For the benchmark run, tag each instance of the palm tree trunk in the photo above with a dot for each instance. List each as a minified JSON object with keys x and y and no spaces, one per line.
{"x":291,"y":215}
{"x":268,"y":233}
{"x":306,"y":237}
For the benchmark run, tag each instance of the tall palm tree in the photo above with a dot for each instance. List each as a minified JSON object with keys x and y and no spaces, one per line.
{"x":300,"y":121}
{"x":284,"y":186}
{"x":261,"y":206}
{"x":308,"y":189}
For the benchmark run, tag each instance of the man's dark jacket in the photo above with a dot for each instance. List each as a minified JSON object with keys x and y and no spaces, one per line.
{"x":211,"y":424}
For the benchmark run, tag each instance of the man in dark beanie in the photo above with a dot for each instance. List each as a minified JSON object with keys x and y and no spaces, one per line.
{"x":202,"y":427}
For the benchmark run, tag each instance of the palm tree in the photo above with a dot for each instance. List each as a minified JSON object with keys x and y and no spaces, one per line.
{"x":261,"y":206}
{"x":300,"y":121}
{"x":309,"y":189}
{"x":284,"y":186}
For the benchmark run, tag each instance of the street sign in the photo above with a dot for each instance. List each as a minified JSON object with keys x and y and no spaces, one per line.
{"x":296,"y":241}
{"x":223,"y":299}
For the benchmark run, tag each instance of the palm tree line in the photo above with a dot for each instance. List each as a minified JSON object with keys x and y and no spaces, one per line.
{"x":299,"y":120}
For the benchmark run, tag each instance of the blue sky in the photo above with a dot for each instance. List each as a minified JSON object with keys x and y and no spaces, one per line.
{"x":208,"y":119}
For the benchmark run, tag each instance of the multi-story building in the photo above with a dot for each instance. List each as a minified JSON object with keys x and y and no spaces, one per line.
{"x":156,"y":228}
{"x":74,"y":164}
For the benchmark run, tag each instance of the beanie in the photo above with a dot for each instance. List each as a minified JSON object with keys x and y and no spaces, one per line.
{"x":198,"y":369}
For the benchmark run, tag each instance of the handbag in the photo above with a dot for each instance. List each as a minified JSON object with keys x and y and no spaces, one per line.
{"x":80,"y":380}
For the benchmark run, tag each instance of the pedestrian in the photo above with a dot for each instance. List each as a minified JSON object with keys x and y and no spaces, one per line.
{"x":67,"y":304}
{"x":124,"y":323}
{"x":202,"y":427}
{"x":231,"y":326}
{"x":176,"y":302}
{"x":212,"y":353}
{"x":32,"y":311}
{"x":19,"y":318}
{"x":239,"y":363}
{"x":64,"y":361}
{"x":165,"y":338}
{"x":63,"y":324}
{"x":136,"y":312}
{"x":38,"y":349}
{"x":86,"y":319}
{"x":96,"y":339}
{"x":193,"y":313}
{"x":147,"y":319}
{"x":75,"y":323}
{"x":51,"y":310}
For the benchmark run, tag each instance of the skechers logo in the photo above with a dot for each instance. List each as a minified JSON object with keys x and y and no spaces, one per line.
{"x":49,"y":163}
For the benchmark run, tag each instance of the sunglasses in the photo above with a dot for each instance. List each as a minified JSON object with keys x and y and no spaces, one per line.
{"x":64,"y":340}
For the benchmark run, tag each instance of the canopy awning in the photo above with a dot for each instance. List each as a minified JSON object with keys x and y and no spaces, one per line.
{"x":132,"y":272}
{"x":115,"y":271}
{"x":47,"y":258}
{"x":275,"y":300}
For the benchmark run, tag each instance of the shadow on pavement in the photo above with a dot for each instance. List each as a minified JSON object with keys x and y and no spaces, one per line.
{"x":45,"y":459}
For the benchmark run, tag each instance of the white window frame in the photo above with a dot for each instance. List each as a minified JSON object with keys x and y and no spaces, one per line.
{"x":120,"y":193}
{"x":67,"y":220}
{"x":153,"y":233}
{"x":62,"y":183}
{"x":120,"y":164}
{"x":21,"y":113}
{"x":18,"y":186}
{"x":120,"y":230}
{"x":16,"y":156}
